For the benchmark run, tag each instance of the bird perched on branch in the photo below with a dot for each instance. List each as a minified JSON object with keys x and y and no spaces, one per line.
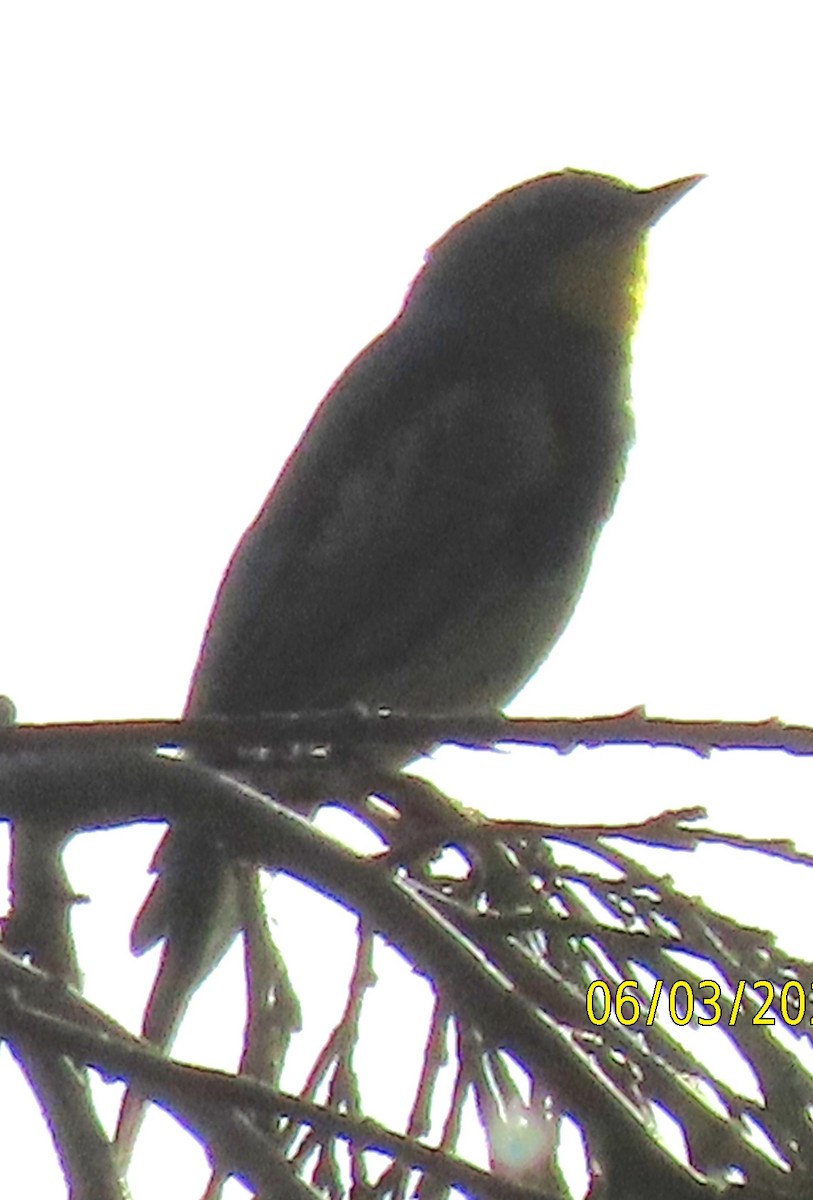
{"x":427,"y":540}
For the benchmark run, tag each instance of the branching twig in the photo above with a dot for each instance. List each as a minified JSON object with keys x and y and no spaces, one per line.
{"x":198,"y":1097}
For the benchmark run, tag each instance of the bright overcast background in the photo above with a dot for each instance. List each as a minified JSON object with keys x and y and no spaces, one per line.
{"x":206,"y":210}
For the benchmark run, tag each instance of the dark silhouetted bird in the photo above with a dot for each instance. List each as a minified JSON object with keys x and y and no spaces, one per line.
{"x":427,"y":540}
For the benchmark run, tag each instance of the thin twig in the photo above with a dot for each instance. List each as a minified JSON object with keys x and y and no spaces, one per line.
{"x":355,"y":728}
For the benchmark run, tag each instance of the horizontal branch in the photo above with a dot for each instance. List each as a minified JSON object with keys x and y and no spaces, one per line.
{"x":354,"y":728}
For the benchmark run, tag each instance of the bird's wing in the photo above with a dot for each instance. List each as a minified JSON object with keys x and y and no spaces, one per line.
{"x":425,"y":486}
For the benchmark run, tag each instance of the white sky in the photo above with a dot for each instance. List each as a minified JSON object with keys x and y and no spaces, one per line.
{"x":208,"y":209}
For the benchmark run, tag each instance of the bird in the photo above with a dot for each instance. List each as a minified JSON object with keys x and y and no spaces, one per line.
{"x":427,"y":540}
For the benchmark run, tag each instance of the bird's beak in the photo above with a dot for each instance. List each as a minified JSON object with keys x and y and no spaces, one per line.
{"x":660,"y":199}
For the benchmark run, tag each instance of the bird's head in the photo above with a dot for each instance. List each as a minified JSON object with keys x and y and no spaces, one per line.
{"x":571,"y":243}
